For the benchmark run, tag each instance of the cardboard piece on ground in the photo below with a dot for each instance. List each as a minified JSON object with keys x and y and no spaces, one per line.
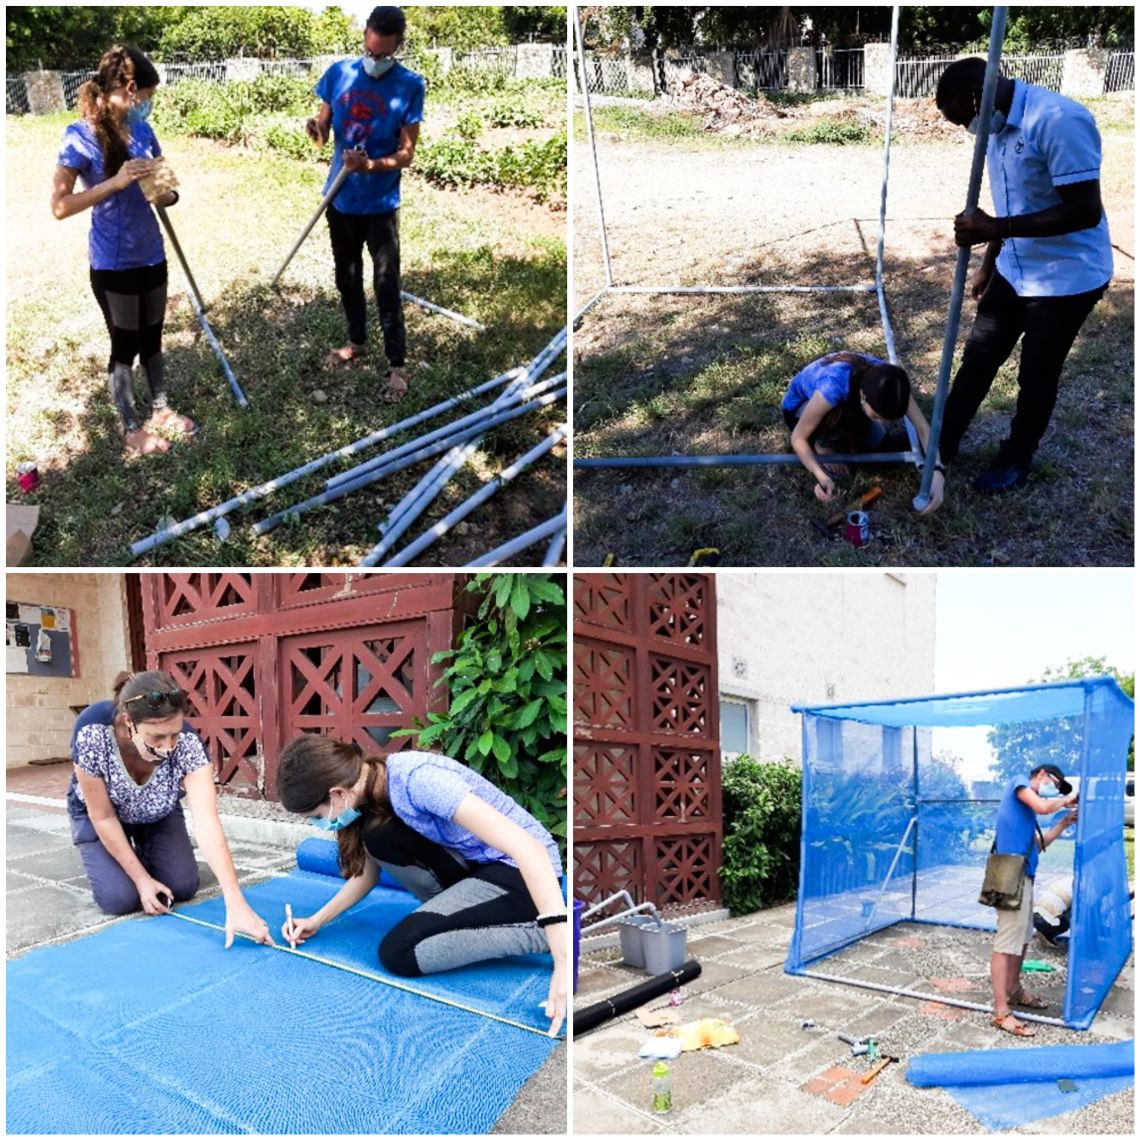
{"x":655,"y":1018}
{"x":21,"y":521}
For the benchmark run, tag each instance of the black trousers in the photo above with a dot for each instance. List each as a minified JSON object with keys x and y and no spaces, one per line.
{"x":1047,"y":327}
{"x":349,"y":234}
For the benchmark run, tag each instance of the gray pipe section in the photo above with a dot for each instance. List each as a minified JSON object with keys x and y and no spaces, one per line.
{"x":742,"y":460}
{"x":264,"y":489}
{"x":587,"y":307}
{"x":941,"y":998}
{"x":432,"y":308}
{"x":958,"y":292}
{"x":465,"y":508}
{"x":593,"y":148}
{"x":742,"y":289}
{"x":554,"y":551}
{"x":332,"y":494}
{"x":333,"y":190}
{"x":475,"y":419}
{"x":529,"y":538}
{"x":200,"y":310}
{"x":887,"y":156}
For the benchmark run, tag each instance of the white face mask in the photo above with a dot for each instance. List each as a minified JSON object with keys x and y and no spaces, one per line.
{"x":997,"y":123}
{"x":376,"y":68}
{"x":148,"y":751}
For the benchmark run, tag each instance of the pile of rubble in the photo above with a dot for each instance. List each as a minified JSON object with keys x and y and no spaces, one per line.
{"x":726,"y":109}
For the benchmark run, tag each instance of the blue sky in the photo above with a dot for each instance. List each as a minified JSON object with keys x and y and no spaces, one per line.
{"x":1000,"y":628}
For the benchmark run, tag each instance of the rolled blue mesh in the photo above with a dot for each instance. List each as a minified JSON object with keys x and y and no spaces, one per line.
{"x":900,"y":801}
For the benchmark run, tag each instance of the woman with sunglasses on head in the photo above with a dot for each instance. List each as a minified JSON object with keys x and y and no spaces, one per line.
{"x":484,"y":869}
{"x":110,"y":149}
{"x":135,"y":757}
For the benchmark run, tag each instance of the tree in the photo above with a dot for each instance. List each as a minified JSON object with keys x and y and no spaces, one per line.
{"x":1020,"y":747}
{"x":75,"y":36}
{"x":461,"y":28}
{"x":544,"y":24}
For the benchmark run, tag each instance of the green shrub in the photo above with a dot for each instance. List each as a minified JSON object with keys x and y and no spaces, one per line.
{"x":230,"y":112}
{"x":507,"y":682}
{"x":470,"y":125}
{"x":514,"y":113}
{"x":830,"y":130}
{"x":455,"y":160}
{"x":761,"y":863}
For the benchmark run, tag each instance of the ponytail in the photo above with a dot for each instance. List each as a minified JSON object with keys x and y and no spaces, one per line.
{"x":118,"y":67}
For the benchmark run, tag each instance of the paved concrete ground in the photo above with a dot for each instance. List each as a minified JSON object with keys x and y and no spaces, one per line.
{"x":784,"y":1078}
{"x":48,"y":900}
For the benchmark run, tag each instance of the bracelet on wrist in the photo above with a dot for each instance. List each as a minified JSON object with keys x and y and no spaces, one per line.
{"x":552,"y":919}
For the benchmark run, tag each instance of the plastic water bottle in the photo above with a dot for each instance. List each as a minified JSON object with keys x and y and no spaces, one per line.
{"x":662,"y":1088}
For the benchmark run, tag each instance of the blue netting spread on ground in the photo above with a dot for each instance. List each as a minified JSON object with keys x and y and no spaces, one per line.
{"x":152,"y":1026}
{"x":1005,"y":1088}
{"x":899,"y":805}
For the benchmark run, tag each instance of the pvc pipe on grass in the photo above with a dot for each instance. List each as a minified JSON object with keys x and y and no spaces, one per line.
{"x":740,"y":460}
{"x":332,"y":494}
{"x":958,"y":293}
{"x":267,"y":488}
{"x":554,"y":551}
{"x":581,"y":39}
{"x":465,"y":508}
{"x":741,"y":289}
{"x":516,"y":545}
{"x":200,"y":310}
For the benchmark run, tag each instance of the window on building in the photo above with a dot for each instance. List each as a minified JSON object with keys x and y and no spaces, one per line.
{"x":735,"y":716}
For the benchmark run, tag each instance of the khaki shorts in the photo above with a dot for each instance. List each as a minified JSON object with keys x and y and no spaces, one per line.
{"x":1015,"y":927}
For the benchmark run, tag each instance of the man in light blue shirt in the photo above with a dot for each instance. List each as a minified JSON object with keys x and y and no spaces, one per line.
{"x":1048,"y":257}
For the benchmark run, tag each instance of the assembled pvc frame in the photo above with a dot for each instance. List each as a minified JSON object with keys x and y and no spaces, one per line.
{"x":915,"y":455}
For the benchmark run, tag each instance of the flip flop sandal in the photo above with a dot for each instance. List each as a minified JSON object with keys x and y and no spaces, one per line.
{"x":1017,"y":1029}
{"x":397,"y":387}
{"x":1028,"y":1001}
{"x":335,"y":359}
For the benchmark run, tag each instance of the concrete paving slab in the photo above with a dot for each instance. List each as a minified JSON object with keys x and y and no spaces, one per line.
{"x":785,"y":1110}
{"x":1114,"y":1115}
{"x":43,"y":822}
{"x":699,"y":1078}
{"x":48,"y":913}
{"x":756,"y":958}
{"x":540,"y":1106}
{"x":926,"y":1112}
{"x":27,"y":843}
{"x":703,"y":946}
{"x":595,"y":1112}
{"x":765,"y":989}
{"x":609,"y":1049}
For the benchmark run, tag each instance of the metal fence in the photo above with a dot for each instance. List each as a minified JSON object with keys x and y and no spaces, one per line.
{"x":839,"y":69}
{"x":500,"y":61}
{"x":917,"y":77}
{"x":761,"y":70}
{"x":177,"y":72}
{"x":558,"y":62}
{"x":675,"y":68}
{"x":1039,"y":69}
{"x":1121,"y":73}
{"x":72,"y":81}
{"x":16,"y":97}
{"x":615,"y":77}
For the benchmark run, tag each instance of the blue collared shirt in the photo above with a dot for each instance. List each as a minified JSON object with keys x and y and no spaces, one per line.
{"x":1048,"y":141}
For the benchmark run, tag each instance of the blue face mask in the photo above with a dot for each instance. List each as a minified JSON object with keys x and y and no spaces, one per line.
{"x":326,"y":823}
{"x":376,"y":68}
{"x":997,"y":123}
{"x":140,"y":112}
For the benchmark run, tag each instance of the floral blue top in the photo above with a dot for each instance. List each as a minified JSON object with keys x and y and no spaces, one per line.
{"x":96,"y":752}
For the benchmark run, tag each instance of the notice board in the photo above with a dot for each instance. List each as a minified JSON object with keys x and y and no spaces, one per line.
{"x":40,"y":640}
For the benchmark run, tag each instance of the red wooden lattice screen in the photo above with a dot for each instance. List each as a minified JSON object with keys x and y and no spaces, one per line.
{"x":266,"y":657}
{"x":647,"y":794}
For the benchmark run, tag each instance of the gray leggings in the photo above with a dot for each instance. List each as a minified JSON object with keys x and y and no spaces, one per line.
{"x":470,"y":912}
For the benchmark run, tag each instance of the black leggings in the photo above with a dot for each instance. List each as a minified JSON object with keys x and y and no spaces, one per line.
{"x":1047,"y":327}
{"x":349,"y":234}
{"x":133,"y":302}
{"x":470,"y":912}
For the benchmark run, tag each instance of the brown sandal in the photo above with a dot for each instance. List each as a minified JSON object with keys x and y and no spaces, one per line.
{"x":1027,"y":1000}
{"x":1007,"y":1023}
{"x":397,"y":387}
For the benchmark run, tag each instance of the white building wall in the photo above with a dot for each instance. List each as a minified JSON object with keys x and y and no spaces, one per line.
{"x":808,"y":638}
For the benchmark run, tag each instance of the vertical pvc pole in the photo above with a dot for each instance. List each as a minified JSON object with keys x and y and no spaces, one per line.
{"x":958,"y":293}
{"x":887,"y":157}
{"x":593,"y":148}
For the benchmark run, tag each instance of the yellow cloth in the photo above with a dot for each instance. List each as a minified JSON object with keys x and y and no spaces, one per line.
{"x":708,"y":1033}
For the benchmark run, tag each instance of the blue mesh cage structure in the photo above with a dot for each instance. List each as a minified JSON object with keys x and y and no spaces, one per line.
{"x":899,"y":803}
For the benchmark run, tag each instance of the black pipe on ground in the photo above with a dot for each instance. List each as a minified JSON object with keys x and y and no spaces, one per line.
{"x":594,"y":1015}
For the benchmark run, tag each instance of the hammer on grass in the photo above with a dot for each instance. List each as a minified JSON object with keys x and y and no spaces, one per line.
{"x":824,"y":526}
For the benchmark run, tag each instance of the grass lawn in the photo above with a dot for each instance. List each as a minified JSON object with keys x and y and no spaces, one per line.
{"x":499,"y":258}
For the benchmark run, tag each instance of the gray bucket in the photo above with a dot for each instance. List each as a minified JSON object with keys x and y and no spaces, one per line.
{"x":664,"y":947}
{"x":631,"y":931}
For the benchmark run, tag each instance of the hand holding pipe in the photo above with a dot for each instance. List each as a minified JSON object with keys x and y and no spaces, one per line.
{"x":958,"y":292}
{"x":326,"y":201}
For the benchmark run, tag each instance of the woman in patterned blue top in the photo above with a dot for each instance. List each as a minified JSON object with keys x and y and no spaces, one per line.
{"x":485,"y":870}
{"x":135,"y":758}
{"x":842,"y":402}
{"x":110,"y":149}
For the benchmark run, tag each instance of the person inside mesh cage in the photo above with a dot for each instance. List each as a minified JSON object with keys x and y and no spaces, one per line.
{"x":1017,"y":833}
{"x":484,"y":869}
{"x":1053,"y":909}
{"x":135,"y":758}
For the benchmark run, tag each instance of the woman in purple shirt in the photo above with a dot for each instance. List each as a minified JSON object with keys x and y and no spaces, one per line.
{"x":486,"y":871}
{"x":110,"y":149}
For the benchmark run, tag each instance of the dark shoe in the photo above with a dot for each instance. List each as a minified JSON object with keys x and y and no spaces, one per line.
{"x":1003,"y":475}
